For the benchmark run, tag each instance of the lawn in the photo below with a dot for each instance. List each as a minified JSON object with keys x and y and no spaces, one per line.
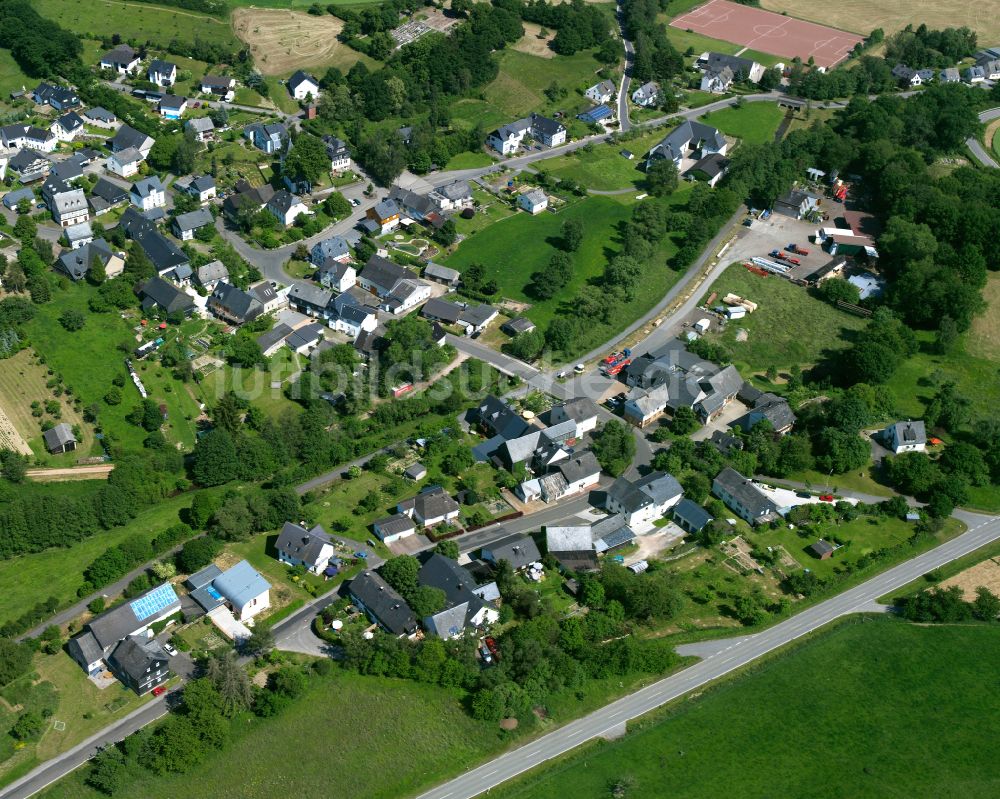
{"x":983,"y":340}
{"x":489,"y":210}
{"x":689,"y":40}
{"x":159,"y":25}
{"x":753,"y":123}
{"x":27,"y":579}
{"x":256,"y":385}
{"x":89,"y":359}
{"x":344,"y":736}
{"x":469,"y":161}
{"x":11,"y":77}
{"x":603,"y":167}
{"x":789,"y":327}
{"x":862,"y":701}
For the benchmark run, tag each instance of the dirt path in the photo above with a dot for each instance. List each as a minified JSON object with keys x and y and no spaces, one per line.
{"x":97,"y":472}
{"x":169,"y":9}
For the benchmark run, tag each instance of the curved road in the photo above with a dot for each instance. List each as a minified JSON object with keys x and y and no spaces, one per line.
{"x":611,"y":719}
{"x":978,"y":151}
{"x":623,"y":88}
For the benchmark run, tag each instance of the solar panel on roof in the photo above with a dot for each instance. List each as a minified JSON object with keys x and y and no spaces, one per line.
{"x":154,"y":602}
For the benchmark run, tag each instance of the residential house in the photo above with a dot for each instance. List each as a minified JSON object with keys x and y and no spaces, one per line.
{"x":14,"y":198}
{"x":381,"y":603}
{"x":396,"y":286}
{"x":209,"y":275}
{"x":442,"y":274}
{"x":233,"y":305}
{"x":990,"y":67}
{"x":572,"y":546}
{"x":274,"y":339}
{"x":473,"y":319}
{"x":78,"y":235}
{"x":77,"y":263}
{"x":15,"y":137}
{"x":246,"y":198}
{"x":720,"y":389}
{"x":641,"y":502}
{"x":580,"y":472}
{"x":148,"y":193}
{"x":298,"y":546}
{"x":905,"y":437}
{"x":185,"y":225}
{"x":352,"y":317}
{"x":464,"y":608}
{"x":393,"y":528}
{"x":796,"y":203}
{"x":690,"y":516}
{"x":906,"y":76}
{"x":338,"y":153}
{"x":337,"y":275}
{"x":304,"y":339}
{"x":100,"y":117}
{"x":67,"y":127}
{"x":245,"y":590}
{"x":975,"y":75}
{"x":271,"y":138}
{"x":201,"y":187}
{"x":770,"y":408}
{"x":498,"y":419}
{"x":949,"y":75}
{"x":286,"y":207}
{"x":601,"y":92}
{"x":128,"y":137}
{"x":431,"y":507}
{"x":158,"y":293}
{"x":223,"y":88}
{"x":172,"y":107}
{"x":99,"y":637}
{"x":266,"y":294}
{"x":744,"y":498}
{"x":597,"y":114}
{"x":122,"y":59}
{"x":582,"y":412}
{"x":647,"y":95}
{"x":106,"y":195}
{"x":125,"y":163}
{"x":202,"y":127}
{"x":303,"y":86}
{"x":162,"y":73}
{"x":453,"y":196}
{"x":140,"y":663}
{"x":508,"y":138}
{"x":534,"y":201}
{"x":334,"y":248}
{"x":689,"y":140}
{"x":68,"y":204}
{"x":383,"y":217}
{"x":167,"y":258}
{"x":520,"y":551}
{"x":310,"y":300}
{"x":709,"y":169}
{"x":419,"y":207}
{"x":61,"y":98}
{"x":59,"y":439}
{"x":29,"y":165}
{"x":744,"y":69}
{"x":717,"y":81}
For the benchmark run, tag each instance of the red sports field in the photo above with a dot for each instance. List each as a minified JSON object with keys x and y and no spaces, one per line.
{"x":769,"y":32}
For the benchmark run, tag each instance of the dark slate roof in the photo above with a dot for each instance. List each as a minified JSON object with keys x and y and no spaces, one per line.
{"x":236,"y":302}
{"x":126,"y":137}
{"x":167,"y":296}
{"x":395,"y":524}
{"x":273,"y":336}
{"x":306,"y":545}
{"x":172,"y":101}
{"x":136,"y":655}
{"x":122,"y":620}
{"x":76,"y":263}
{"x":583,"y":465}
{"x":436,"y":308}
{"x":305,"y":336}
{"x":163,"y":67}
{"x":517,"y":550}
{"x":70,"y":121}
{"x":384,"y":273}
{"x":194,"y":219}
{"x":739,"y":66}
{"x":203,"y":577}
{"x":497,"y":415}
{"x":384,"y":603}
{"x":546,"y":126}
{"x":300,"y":77}
{"x":283,"y":200}
{"x":441,"y":572}
{"x":689,"y":131}
{"x":310,"y":295}
{"x":160,"y":250}
{"x":25,"y":158}
{"x":747,"y":494}
{"x":99,"y":113}
{"x":333,"y":247}
{"x":109,"y":191}
{"x":822,"y":547}
{"x":58,"y":436}
{"x":692,"y":513}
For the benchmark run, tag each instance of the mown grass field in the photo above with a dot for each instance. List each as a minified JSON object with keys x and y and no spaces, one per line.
{"x":753,"y":123}
{"x":603,"y":167}
{"x":142,"y":21}
{"x":874,"y":709}
{"x":790,"y":326}
{"x":348,"y":736}
{"x":11,"y":76}
{"x":28,"y":579}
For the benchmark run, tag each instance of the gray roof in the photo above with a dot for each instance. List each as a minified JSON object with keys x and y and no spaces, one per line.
{"x":124,"y":619}
{"x":109,"y":191}
{"x":434,"y":503}
{"x":384,"y":274}
{"x":822,"y":547}
{"x":58,"y":436}
{"x":298,"y":542}
{"x":523,"y":447}
{"x":395,"y":524}
{"x":456,"y":190}
{"x":579,"y":409}
{"x":743,"y":491}
{"x":237,"y":303}
{"x":12,"y":198}
{"x":384,"y":603}
{"x":158,"y":291}
{"x":130,"y":155}
{"x":70,"y":121}
{"x":517,"y":550}
{"x":437,"y":308}
{"x":99,"y":113}
{"x":87,"y":646}
{"x":217,"y":81}
{"x":692,"y":513}
{"x":385,"y":209}
{"x":127,"y":137}
{"x":451,"y":621}
{"x":415,"y":471}
{"x":282,"y":201}
{"x":147,"y":186}
{"x":194,"y":219}
{"x":575,"y":538}
{"x":477,"y":315}
{"x":241,"y":583}
{"x":313,"y":296}
{"x":611,"y":532}
{"x":200,"y":124}
{"x":439,"y":272}
{"x":122,"y":54}
{"x":910,"y":432}
{"x":518,"y":325}
{"x":442,"y":572}
{"x":164,"y":254}
{"x":271,"y":337}
{"x":739,"y":66}
{"x":76,"y":263}
{"x":647,"y":90}
{"x":81,"y":230}
{"x":136,"y":655}
{"x":212,"y":271}
{"x":333,"y":247}
{"x":203,"y":577}
{"x":305,"y":336}
{"x":577,"y":468}
{"x":688,"y":132}
{"x":172,"y":101}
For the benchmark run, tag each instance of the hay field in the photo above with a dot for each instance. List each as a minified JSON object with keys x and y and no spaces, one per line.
{"x":862,"y":16}
{"x":283,"y":41}
{"x":983,"y":339}
{"x":533,"y":43}
{"x":985,"y":574}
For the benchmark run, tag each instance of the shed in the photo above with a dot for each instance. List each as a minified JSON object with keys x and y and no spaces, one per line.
{"x":822,"y":549}
{"x":416,"y":471}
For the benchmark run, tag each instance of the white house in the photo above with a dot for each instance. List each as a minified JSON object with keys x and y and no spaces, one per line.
{"x":172,"y":107}
{"x":162,"y":73}
{"x":122,"y":59}
{"x":534,"y":201}
{"x":245,"y":590}
{"x":201,"y":187}
{"x":16,"y":137}
{"x":298,"y":546}
{"x":125,"y":163}
{"x":643,"y":501}
{"x":393,"y":528}
{"x":101,"y":118}
{"x":337,"y":275}
{"x":338,"y":153}
{"x":221,"y":87}
{"x":148,"y":193}
{"x":303,"y":85}
{"x":905,"y":437}
{"x":431,"y":507}
{"x":286,"y":206}
{"x":508,"y":138}
{"x":601,"y":92}
{"x":647,"y":95}
{"x":717,"y":81}
{"x":67,"y":127}
{"x":202,"y":127}
{"x":580,"y":472}
{"x":581,"y":411}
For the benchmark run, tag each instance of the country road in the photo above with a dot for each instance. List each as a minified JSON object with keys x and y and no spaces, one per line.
{"x":611,"y":719}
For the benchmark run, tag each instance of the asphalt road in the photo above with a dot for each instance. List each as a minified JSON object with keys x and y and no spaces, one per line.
{"x":978,"y":151}
{"x":610,"y":719}
{"x":623,"y":89}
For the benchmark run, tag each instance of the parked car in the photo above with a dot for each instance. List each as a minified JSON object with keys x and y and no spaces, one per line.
{"x":159,"y":690}
{"x":579,"y":368}
{"x":826,"y":497}
{"x":169,"y":649}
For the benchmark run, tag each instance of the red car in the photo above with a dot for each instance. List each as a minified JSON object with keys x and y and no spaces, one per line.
{"x":159,"y":690}
{"x":491,"y":645}
{"x":793,"y":261}
{"x":826,"y":497}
